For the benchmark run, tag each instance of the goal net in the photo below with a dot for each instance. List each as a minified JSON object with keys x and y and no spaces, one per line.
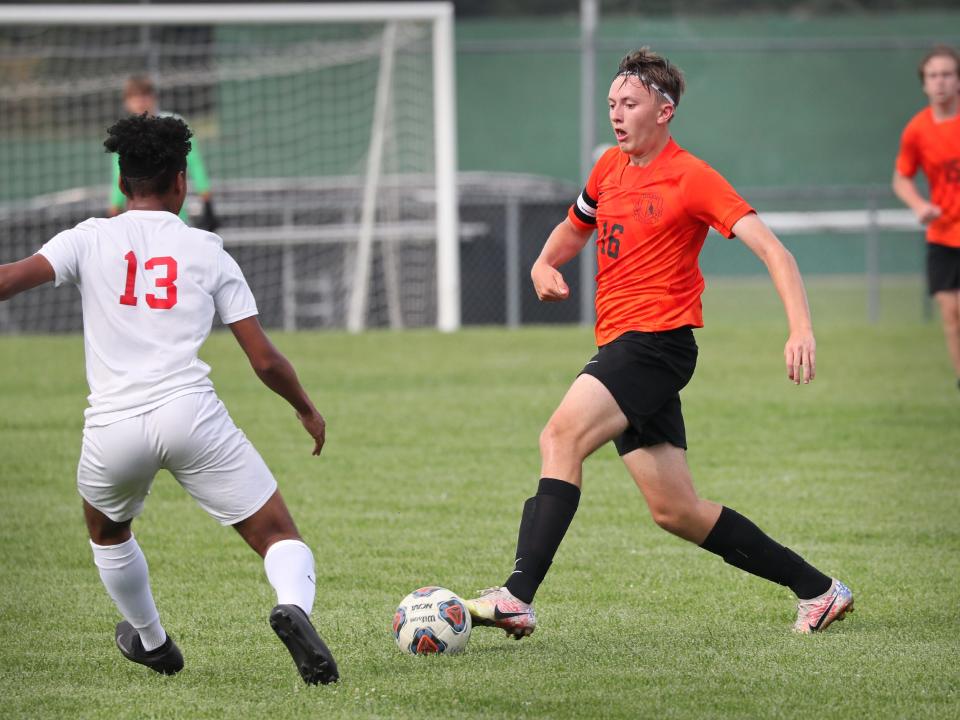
{"x":326,"y":131}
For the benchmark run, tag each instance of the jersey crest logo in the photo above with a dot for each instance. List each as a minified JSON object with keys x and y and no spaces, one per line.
{"x":648,"y":208}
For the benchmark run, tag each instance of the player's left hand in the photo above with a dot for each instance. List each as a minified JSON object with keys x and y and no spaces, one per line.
{"x":317,"y":427}
{"x":800,"y":354}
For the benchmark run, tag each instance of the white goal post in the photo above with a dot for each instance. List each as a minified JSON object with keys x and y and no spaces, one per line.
{"x":378,"y":229}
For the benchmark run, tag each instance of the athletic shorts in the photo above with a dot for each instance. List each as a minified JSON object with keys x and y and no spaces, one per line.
{"x":194,"y":438}
{"x":943,"y":268}
{"x":645,"y":371}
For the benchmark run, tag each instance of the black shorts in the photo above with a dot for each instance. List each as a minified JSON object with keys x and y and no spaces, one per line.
{"x":645,"y":371}
{"x":943,"y":268}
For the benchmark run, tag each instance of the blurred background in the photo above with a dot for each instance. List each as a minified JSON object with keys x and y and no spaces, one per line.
{"x":320,"y":140}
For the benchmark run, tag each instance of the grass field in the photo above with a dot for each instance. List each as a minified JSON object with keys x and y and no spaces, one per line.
{"x":432,"y":448}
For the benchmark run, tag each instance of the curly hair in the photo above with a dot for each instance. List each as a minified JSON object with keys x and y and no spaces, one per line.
{"x":152,"y":151}
{"x":654,"y":71}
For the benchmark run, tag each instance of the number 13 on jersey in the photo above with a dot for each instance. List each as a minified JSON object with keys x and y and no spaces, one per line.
{"x":166,"y":282}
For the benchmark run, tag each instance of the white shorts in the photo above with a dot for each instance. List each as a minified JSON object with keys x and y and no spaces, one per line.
{"x":194,"y":438}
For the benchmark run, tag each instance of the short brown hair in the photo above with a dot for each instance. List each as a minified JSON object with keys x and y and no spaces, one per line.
{"x":939,"y":51}
{"x":139,"y":85}
{"x":653,"y":69}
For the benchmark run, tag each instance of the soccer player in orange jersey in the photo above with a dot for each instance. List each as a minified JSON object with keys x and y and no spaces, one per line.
{"x":652,"y":203}
{"x":931,"y":142}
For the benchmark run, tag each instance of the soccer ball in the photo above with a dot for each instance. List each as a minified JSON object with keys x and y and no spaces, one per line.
{"x":431,"y":620}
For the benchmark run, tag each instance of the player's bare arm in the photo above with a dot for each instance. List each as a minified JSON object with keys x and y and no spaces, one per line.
{"x":800,"y":352}
{"x":906,"y":189}
{"x":24,"y":275}
{"x":564,"y":243}
{"x":276,"y":372}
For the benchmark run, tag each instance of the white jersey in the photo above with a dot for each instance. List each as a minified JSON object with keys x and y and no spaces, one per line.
{"x":149,"y":285}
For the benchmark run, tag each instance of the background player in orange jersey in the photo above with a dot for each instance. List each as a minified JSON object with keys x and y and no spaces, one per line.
{"x":652,"y":204}
{"x":931,"y":142}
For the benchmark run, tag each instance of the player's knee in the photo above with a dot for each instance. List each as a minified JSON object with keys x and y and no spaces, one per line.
{"x":667,"y":518}
{"x":949,"y":303}
{"x":951,"y":322}
{"x":549,"y":438}
{"x":268,"y":525}
{"x":102,"y":530}
{"x":112,"y":534}
{"x":559,"y":437}
{"x":266,"y":539}
{"x":675,"y":519}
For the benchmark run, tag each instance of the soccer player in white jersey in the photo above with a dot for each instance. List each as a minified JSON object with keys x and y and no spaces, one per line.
{"x":150,"y":286}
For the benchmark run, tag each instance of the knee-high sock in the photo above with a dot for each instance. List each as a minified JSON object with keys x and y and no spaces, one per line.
{"x":742,"y":544}
{"x":123,"y":570}
{"x":545,"y":520}
{"x":290,"y":569}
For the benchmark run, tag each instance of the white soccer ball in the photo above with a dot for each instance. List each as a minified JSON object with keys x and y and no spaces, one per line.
{"x":431,"y":620}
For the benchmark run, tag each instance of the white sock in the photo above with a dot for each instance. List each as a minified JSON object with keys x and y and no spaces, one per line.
{"x":123,"y":570}
{"x":289,"y":566}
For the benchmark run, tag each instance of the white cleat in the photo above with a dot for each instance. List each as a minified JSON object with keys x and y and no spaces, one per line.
{"x":497,"y":607}
{"x":816,"y":614}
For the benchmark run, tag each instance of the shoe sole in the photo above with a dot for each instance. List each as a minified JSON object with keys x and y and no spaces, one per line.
{"x":515,"y":633}
{"x":313,"y":659}
{"x":519,"y":634}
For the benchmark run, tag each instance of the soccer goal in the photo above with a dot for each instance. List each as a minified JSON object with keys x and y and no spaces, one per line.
{"x":327,"y":131}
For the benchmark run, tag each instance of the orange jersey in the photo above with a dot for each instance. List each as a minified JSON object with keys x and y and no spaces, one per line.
{"x":934,"y":147}
{"x":651,"y":223}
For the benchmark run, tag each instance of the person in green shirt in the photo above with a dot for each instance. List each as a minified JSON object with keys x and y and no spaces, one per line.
{"x":139,"y":97}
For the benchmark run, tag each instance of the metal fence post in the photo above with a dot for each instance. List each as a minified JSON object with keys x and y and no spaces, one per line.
{"x":288,"y":277}
{"x":588,"y":136}
{"x":873,"y":262}
{"x":512,"y":261}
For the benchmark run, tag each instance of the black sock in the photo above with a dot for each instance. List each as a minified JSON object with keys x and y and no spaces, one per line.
{"x":546,"y":517}
{"x":742,"y":544}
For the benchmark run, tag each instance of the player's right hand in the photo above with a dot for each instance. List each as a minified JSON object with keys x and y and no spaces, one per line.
{"x":549,"y":283}
{"x":317,"y":427}
{"x":928,"y":213}
{"x":800,"y":353}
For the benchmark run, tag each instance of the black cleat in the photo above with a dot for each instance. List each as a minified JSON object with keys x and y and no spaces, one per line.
{"x":165,"y":659}
{"x":311,"y":656}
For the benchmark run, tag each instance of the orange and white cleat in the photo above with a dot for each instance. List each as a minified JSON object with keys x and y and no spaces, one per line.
{"x":497,"y":607}
{"x":816,"y":614}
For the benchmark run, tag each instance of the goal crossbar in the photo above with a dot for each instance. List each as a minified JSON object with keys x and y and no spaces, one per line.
{"x":206,"y":13}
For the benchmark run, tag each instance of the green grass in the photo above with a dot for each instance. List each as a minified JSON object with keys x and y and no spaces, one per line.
{"x":432,"y":448}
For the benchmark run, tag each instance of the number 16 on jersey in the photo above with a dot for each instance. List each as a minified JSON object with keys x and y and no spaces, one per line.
{"x":609,"y":243}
